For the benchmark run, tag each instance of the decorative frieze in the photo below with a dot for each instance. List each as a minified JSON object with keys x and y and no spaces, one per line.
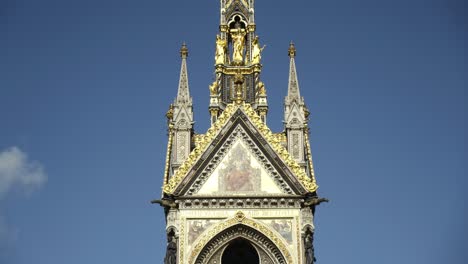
{"x":224,"y":203}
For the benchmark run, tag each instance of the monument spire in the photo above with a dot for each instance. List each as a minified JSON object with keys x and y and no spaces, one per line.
{"x":183,"y":93}
{"x":181,"y":121}
{"x":238,"y":52}
{"x":239,"y":193}
{"x":295,"y":114}
{"x":293,"y":85}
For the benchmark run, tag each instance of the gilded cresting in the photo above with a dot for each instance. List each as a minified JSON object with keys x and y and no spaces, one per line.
{"x":203,"y":141}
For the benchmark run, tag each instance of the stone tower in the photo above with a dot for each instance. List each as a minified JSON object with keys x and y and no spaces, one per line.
{"x":239,"y":193}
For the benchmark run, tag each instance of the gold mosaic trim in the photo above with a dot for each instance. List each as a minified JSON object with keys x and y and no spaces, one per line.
{"x":168,"y":154}
{"x":275,"y":142}
{"x":273,"y":139}
{"x":235,"y":70}
{"x":182,"y":240}
{"x":309,"y":154}
{"x":281,"y":137}
{"x":240,"y":218}
{"x":299,"y":240}
{"x":203,"y":140}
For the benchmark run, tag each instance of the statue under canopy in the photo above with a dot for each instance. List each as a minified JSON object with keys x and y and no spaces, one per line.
{"x":256,"y":51}
{"x":309,"y":247}
{"x":220,"y":50}
{"x":171,"y":250}
{"x":238,"y":39}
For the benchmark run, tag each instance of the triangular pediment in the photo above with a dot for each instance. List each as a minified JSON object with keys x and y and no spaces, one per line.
{"x":236,"y":6}
{"x":242,"y":170}
{"x":183,"y":118}
{"x":295,"y":117}
{"x":239,"y":130}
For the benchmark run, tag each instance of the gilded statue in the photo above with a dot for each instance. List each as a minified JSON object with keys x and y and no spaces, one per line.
{"x":170,"y":112}
{"x":214,"y":88}
{"x":256,"y":51}
{"x":220,"y":50}
{"x":238,"y":46}
{"x":261,"y":90}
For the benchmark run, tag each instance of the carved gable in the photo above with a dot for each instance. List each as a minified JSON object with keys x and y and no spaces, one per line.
{"x":218,"y":161}
{"x":295,"y":117}
{"x":241,"y":171}
{"x":183,"y":119}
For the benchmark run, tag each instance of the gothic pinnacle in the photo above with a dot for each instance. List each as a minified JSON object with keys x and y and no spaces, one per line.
{"x":184,"y":51}
{"x":292,"y":50}
{"x":293,"y":86}
{"x":183,"y":93}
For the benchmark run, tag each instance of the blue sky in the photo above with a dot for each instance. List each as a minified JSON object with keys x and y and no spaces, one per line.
{"x":84,"y":86}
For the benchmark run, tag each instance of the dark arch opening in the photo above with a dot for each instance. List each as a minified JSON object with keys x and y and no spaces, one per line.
{"x":240,"y":251}
{"x":237,"y":23}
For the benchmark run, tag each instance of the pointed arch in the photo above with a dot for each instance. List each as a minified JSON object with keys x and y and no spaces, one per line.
{"x":239,"y":10}
{"x":259,"y":235}
{"x":240,"y":250}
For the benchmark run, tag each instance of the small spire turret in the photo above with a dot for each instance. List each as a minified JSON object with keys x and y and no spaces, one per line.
{"x":295,"y":112}
{"x":180,"y":117}
{"x":183,"y":93}
{"x":293,"y":85}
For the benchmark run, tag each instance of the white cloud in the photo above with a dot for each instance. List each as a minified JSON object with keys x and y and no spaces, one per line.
{"x":17,"y":170}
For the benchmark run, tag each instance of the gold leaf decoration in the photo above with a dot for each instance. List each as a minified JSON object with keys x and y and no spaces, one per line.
{"x":240,"y":218}
{"x":204,"y":140}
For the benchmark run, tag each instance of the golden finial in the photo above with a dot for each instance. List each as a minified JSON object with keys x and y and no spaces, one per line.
{"x":306,"y":112}
{"x":292,"y":50}
{"x":170,"y":112}
{"x":239,"y":78}
{"x":221,"y":46}
{"x":184,"y":51}
{"x":261,"y":91}
{"x":214,"y":88}
{"x":238,"y":81}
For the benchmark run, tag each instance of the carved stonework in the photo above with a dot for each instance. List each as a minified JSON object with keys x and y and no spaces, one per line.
{"x":238,"y":191}
{"x":309,"y":247}
{"x":268,"y":249}
{"x":255,"y":232}
{"x":239,"y":133}
{"x":307,"y":218}
{"x":235,"y":202}
{"x":295,"y":146}
{"x":171,"y":249}
{"x":172,"y":219}
{"x":263,"y":256}
{"x":246,"y":115}
{"x":216,"y":258}
{"x":182,"y":146}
